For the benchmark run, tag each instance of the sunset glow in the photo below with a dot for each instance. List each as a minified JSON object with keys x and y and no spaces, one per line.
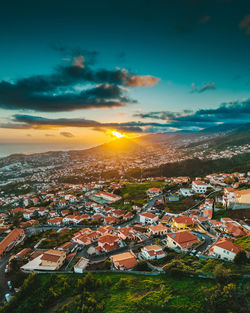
{"x":117,"y":134}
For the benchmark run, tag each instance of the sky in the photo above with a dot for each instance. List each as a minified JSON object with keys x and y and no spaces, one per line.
{"x":73,"y":71}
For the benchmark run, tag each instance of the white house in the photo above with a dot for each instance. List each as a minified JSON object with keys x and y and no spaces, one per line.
{"x":199,"y":186}
{"x":152,"y":252}
{"x":148,"y":218}
{"x":224,"y":249}
{"x":81,"y":265}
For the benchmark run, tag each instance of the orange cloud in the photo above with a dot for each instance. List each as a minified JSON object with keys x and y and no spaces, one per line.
{"x":142,"y":81}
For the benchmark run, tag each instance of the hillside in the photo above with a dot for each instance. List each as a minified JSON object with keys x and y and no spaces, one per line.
{"x":197,"y":167}
{"x":118,"y":293}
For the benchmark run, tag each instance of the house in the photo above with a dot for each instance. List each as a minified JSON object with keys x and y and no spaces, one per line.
{"x":229,"y":196}
{"x":128,"y":216}
{"x":224,"y":249}
{"x":148,"y":218}
{"x":127,"y":232}
{"x":158,"y":229}
{"x":166,"y":220}
{"x":182,"y":240}
{"x":124,"y":261}
{"x":74,"y":219}
{"x":235,"y":230}
{"x":199,"y":186}
{"x":81,"y":265}
{"x":12,"y":239}
{"x":185,"y":192}
{"x":109,"y":220}
{"x":55,"y":221}
{"x":243,"y":196}
{"x":152,"y":192}
{"x":68,"y":247}
{"x":107,"y":196}
{"x":50,"y":260}
{"x":182,"y":222}
{"x":53,"y":258}
{"x":152,"y":252}
{"x":118,"y":213}
{"x":108,"y":242}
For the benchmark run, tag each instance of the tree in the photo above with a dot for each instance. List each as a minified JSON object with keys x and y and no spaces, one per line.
{"x":221,"y":273}
{"x":241,"y":258}
{"x":141,"y":266}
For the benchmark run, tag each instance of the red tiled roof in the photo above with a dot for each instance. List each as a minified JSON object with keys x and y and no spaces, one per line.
{"x":228,"y":245}
{"x":184,"y":238}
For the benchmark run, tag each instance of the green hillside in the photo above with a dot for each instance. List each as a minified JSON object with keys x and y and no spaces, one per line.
{"x":73,"y":293}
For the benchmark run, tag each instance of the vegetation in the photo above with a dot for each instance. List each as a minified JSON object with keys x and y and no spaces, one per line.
{"x":244,"y":242}
{"x":197,"y":167}
{"x":119,"y":293}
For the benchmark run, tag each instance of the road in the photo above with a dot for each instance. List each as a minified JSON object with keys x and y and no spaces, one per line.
{"x":3,"y":278}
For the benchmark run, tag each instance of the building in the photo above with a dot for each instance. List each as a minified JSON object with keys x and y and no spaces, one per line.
{"x":124,"y":261}
{"x":243,"y":196}
{"x":182,"y":240}
{"x":199,"y":186}
{"x":152,"y":252}
{"x":108,"y":242}
{"x":148,"y":218}
{"x":224,"y":249}
{"x":81,"y":265}
{"x":50,"y":260}
{"x":53,"y":258}
{"x":107,"y":196}
{"x":12,"y":239}
{"x":158,"y":229}
{"x":182,"y":222}
{"x":152,"y":192}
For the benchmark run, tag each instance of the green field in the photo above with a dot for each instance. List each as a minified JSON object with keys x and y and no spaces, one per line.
{"x":74,"y":293}
{"x":137,"y":191}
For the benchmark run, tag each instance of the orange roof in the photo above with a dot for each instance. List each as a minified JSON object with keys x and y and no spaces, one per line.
{"x":108,"y":239}
{"x":199,"y":183}
{"x":228,"y":245}
{"x":184,"y":238}
{"x":184,"y":219}
{"x":126,"y":259}
{"x":242,"y":192}
{"x":148,"y":215}
{"x":15,"y":235}
{"x":158,"y":227}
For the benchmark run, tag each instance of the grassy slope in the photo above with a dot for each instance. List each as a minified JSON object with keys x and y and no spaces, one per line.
{"x":114,"y":292}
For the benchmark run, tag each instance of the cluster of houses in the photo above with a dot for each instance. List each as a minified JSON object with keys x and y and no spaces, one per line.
{"x":102,"y":229}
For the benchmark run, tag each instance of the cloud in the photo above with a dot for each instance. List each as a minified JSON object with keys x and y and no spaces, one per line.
{"x":206,"y":87}
{"x":49,"y":135}
{"x":245,"y":24}
{"x":142,"y":81}
{"x":79,"y":61}
{"x":230,"y":112}
{"x":234,"y":111}
{"x":100,"y":88}
{"x":67,"y":134}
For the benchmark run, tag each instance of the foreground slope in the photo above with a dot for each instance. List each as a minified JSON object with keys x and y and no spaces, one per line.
{"x":116,"y":292}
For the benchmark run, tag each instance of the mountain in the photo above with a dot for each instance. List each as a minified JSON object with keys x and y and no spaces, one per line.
{"x":221,"y":128}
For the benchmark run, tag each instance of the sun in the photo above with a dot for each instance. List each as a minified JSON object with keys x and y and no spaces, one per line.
{"x":117,"y":134}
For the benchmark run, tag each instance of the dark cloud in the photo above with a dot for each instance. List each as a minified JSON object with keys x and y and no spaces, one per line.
{"x":206,"y":87}
{"x":65,"y":89}
{"x":231,"y":112}
{"x":67,"y":134}
{"x":237,"y":111}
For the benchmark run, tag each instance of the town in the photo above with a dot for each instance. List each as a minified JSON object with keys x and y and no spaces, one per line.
{"x":121,"y":225}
